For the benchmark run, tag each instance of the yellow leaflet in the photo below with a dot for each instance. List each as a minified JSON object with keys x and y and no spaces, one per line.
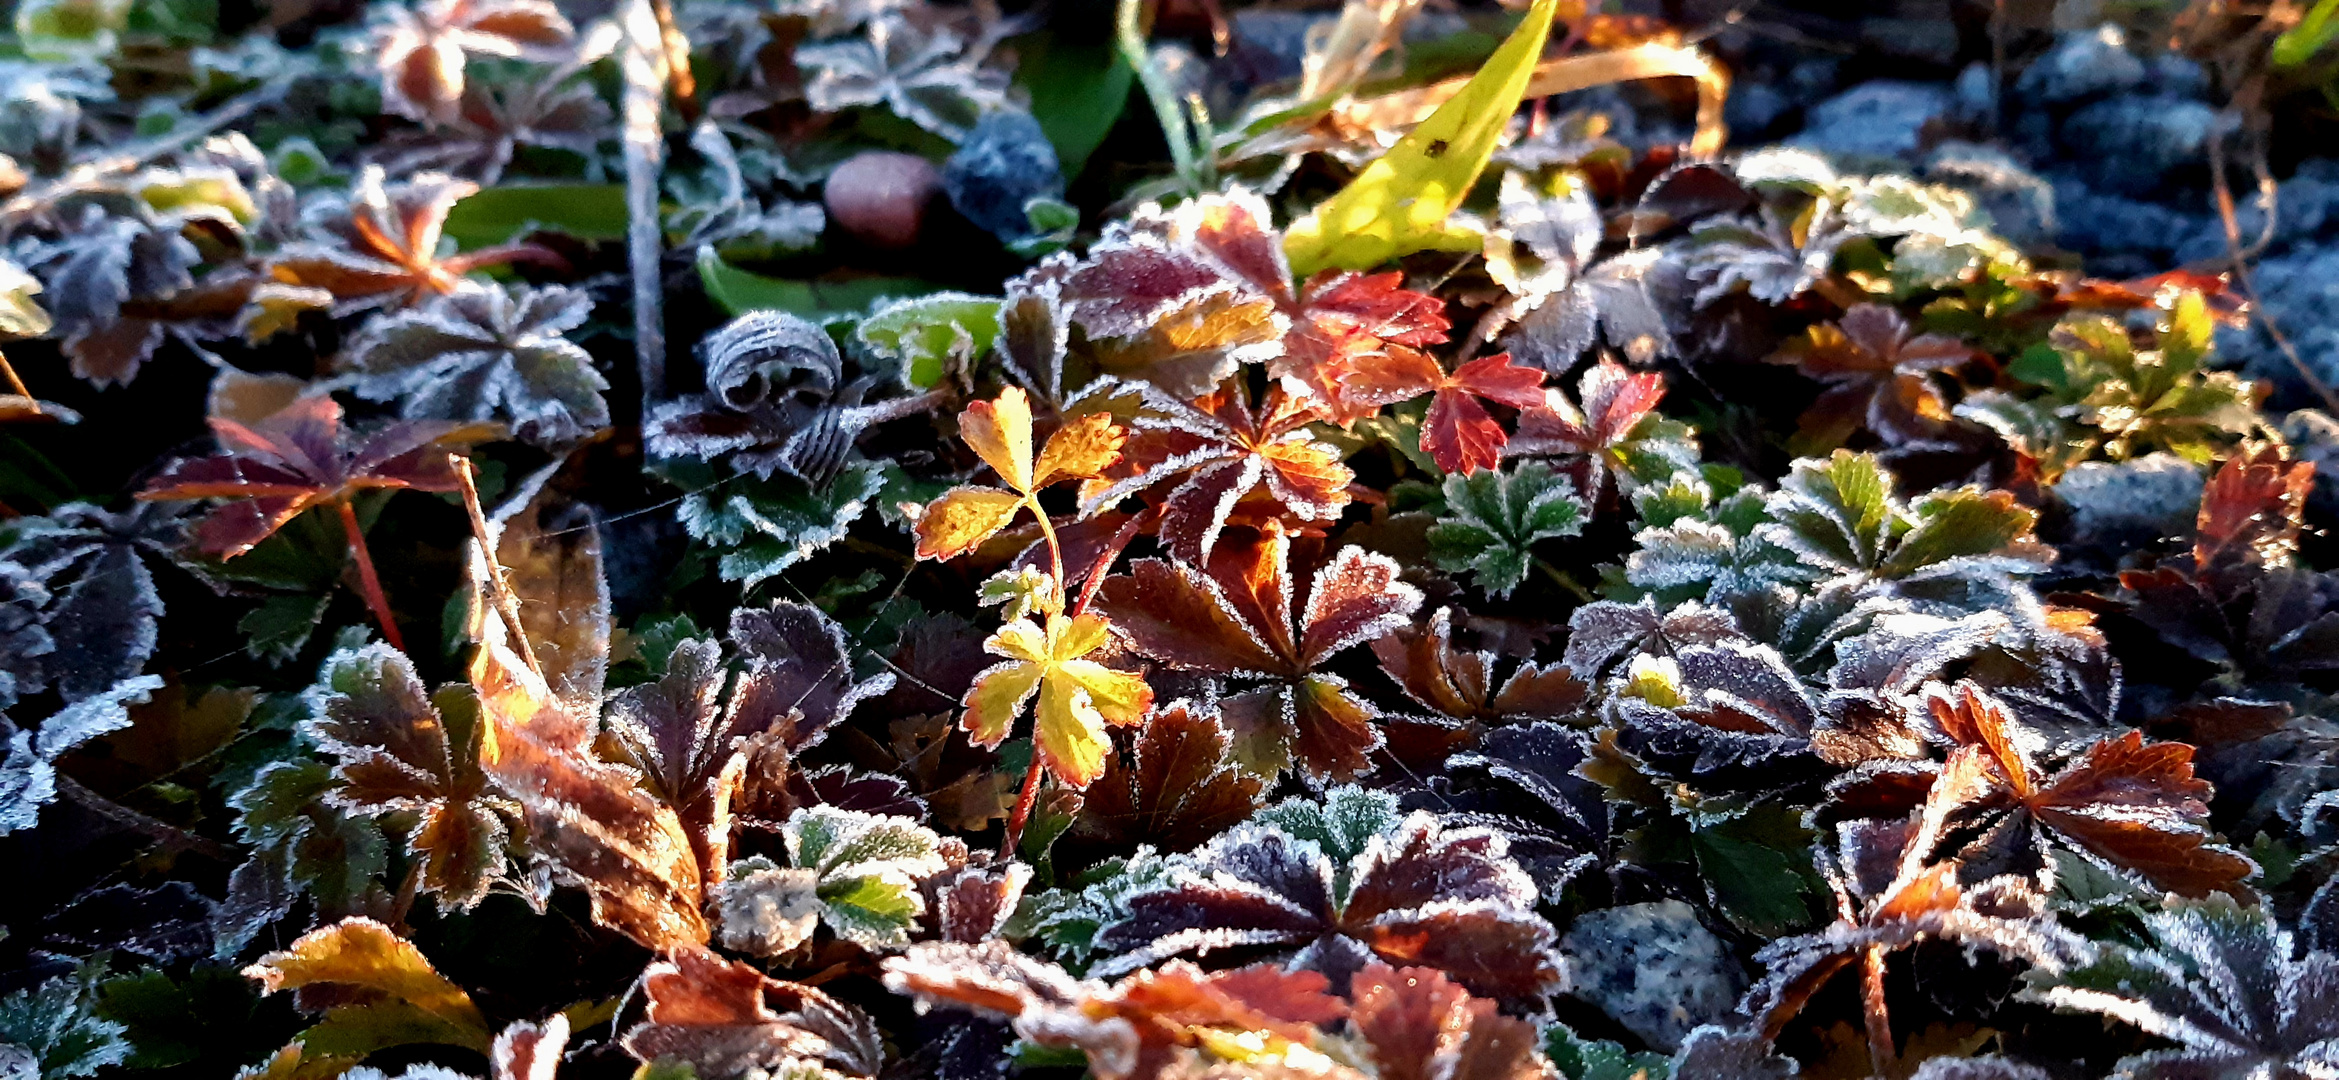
{"x":1399,"y":203}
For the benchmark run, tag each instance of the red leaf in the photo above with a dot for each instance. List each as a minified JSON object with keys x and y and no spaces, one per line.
{"x":1423,"y":1027}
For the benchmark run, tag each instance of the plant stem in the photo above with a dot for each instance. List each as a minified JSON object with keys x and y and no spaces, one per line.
{"x":1880,"y":1049}
{"x":17,"y":385}
{"x":371,"y":583}
{"x":1104,"y":561}
{"x":1055,"y":550}
{"x":1157,"y":89}
{"x":1023,"y":803}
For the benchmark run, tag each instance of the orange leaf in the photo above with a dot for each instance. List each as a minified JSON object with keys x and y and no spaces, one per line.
{"x":962,"y":519}
{"x":999,"y":432}
{"x":1081,"y":450}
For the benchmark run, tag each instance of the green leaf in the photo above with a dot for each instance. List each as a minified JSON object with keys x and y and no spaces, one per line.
{"x":206,"y":1014}
{"x":738,"y":292}
{"x":1756,"y":865}
{"x":770,"y":525}
{"x":2300,"y":43}
{"x":869,"y":866}
{"x":1078,"y":92}
{"x":1494,"y":518}
{"x":55,"y":1022}
{"x":1579,"y":1058}
{"x":499,"y":215}
{"x":932,"y":336}
{"x":1956,"y":524}
{"x":279,"y":628}
{"x":70,"y":30}
{"x":1399,"y":204}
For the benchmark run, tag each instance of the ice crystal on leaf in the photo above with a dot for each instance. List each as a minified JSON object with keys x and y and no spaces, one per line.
{"x":1184,"y":297}
{"x":487,"y":353}
{"x":1415,"y":891}
{"x":1226,"y":461}
{"x":717,"y":1017}
{"x":1243,"y":615}
{"x":422,"y":49}
{"x":1611,"y":431}
{"x":2225,"y":983}
{"x":1494,"y":518}
{"x":404,"y":750}
{"x":1132,"y":1029}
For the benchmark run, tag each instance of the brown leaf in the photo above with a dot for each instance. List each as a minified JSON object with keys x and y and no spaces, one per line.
{"x":2252,"y":511}
{"x":587,"y":818}
{"x":1422,"y":1026}
{"x":1176,"y":786}
{"x":717,"y":1015}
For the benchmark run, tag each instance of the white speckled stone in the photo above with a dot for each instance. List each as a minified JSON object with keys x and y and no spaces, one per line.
{"x":1654,"y":968}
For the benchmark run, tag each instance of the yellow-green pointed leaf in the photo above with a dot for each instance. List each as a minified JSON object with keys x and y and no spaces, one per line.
{"x":1399,"y":204}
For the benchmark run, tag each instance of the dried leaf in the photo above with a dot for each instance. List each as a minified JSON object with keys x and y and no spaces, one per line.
{"x":382,"y":992}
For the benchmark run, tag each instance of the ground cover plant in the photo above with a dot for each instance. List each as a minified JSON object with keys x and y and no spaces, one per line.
{"x":876,"y":540}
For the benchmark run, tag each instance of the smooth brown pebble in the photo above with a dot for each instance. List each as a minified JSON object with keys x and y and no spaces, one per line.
{"x":880,"y":197}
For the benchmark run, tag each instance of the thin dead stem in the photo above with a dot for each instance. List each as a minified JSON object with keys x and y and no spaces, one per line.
{"x":2240,"y":257}
{"x":507,"y":605}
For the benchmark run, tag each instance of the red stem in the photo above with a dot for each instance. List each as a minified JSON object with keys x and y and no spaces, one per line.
{"x":371,"y":584}
{"x":1105,"y":559}
{"x":1023,"y":803}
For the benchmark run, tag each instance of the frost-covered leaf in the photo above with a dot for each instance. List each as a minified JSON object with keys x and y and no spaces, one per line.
{"x":99,"y":566}
{"x":925,"y":73}
{"x":26,"y":646}
{"x":382,"y":992}
{"x":303,"y":457}
{"x":380,"y":247}
{"x":2135,"y":809}
{"x":1177,"y":785}
{"x":1457,"y":432}
{"x":723,"y":1018}
{"x":932,"y":337}
{"x":2224,"y":982}
{"x":1420,"y":1024}
{"x":1076,"y":696}
{"x":1224,"y":461}
{"x":586,"y":818}
{"x":1839,"y":516}
{"x":1183,"y":297}
{"x":1522,"y":783}
{"x":1494,"y":519}
{"x":1462,"y":685}
{"x":868,"y":868}
{"x":1241,"y":615}
{"x":49,"y":1031}
{"x":765,"y":526}
{"x":1612,"y":429}
{"x":487,"y":353}
{"x":401,"y":751}
{"x":1129,"y":1030}
{"x":1889,"y":898}
{"x":1417,"y":892}
{"x":421,"y":49}
{"x":1879,"y":377}
{"x":28,"y":777}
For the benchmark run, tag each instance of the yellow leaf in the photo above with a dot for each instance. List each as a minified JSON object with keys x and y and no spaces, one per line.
{"x":1121,"y":698}
{"x":1069,"y":734}
{"x":991,"y":704}
{"x":1400,"y":202}
{"x":963,"y":518}
{"x":387,"y":993}
{"x":999,"y":432}
{"x":1081,"y":450}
